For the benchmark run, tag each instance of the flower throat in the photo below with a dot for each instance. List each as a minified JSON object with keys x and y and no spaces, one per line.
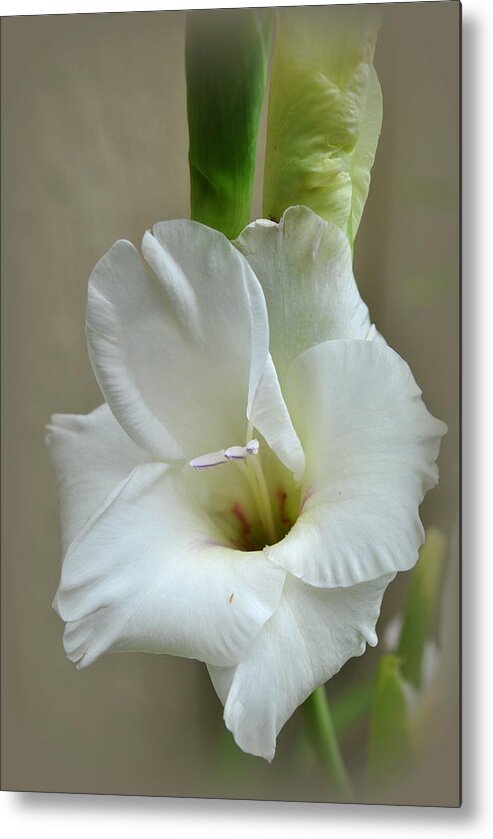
{"x":246,"y":458}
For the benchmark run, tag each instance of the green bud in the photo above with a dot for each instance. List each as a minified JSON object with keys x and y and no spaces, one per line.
{"x":325,"y":113}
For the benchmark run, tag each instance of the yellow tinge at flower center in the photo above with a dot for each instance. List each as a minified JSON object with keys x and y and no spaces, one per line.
{"x":271,"y":502}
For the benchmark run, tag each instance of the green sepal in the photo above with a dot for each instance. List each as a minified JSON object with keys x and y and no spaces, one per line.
{"x":325,"y":113}
{"x":389,"y":745}
{"x":420,"y":609}
{"x":227,"y":54}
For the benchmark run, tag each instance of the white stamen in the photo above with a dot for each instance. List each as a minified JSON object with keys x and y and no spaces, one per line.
{"x":225,"y":455}
{"x":236,"y":453}
{"x":211,"y":459}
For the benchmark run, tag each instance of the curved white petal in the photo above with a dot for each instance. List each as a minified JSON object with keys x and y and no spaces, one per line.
{"x":124,"y":323}
{"x":371,"y":447}
{"x":304,"y":265}
{"x":308,"y":639}
{"x":91,"y":454}
{"x":152,"y":572}
{"x":180,"y":352}
{"x":217,"y":301}
{"x":270,"y":415}
{"x":172,"y":348}
{"x":230,"y":332}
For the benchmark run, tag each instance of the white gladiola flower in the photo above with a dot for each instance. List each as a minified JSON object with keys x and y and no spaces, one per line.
{"x":251,"y":484}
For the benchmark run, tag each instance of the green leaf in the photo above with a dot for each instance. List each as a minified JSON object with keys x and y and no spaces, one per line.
{"x":227,"y":54}
{"x":421,"y":606}
{"x":325,"y":113}
{"x":389,"y":747}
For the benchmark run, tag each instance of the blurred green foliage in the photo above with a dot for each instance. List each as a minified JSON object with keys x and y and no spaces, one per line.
{"x":389,"y":745}
{"x":421,"y":605}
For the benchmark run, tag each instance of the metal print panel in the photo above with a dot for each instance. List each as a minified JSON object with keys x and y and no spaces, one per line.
{"x":231,"y":399}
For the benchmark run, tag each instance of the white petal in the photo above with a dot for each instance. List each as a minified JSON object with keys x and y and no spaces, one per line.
{"x":124,"y":324}
{"x":217,"y":301}
{"x":221,"y":304}
{"x":270,"y":416}
{"x":179,"y":353}
{"x":304,"y":265}
{"x":152,"y":572}
{"x":173,"y":350}
{"x":91,"y":454}
{"x":371,"y":447}
{"x":308,"y":639}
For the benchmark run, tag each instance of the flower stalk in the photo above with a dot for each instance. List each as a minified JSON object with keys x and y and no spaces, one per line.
{"x":320,"y":725}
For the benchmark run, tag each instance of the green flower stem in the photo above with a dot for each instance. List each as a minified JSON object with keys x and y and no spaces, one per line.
{"x":227,"y":54}
{"x":321,"y":728}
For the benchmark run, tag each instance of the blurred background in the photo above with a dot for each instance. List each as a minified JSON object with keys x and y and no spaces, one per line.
{"x":94,"y":142}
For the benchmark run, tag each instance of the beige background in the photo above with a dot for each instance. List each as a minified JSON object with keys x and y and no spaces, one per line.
{"x":94,"y":144}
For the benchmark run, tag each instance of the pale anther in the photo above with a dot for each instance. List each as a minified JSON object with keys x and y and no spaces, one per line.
{"x":225,"y":455}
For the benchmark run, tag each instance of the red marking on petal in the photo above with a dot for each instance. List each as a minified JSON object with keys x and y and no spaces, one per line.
{"x":285,"y":519}
{"x":246,"y":530}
